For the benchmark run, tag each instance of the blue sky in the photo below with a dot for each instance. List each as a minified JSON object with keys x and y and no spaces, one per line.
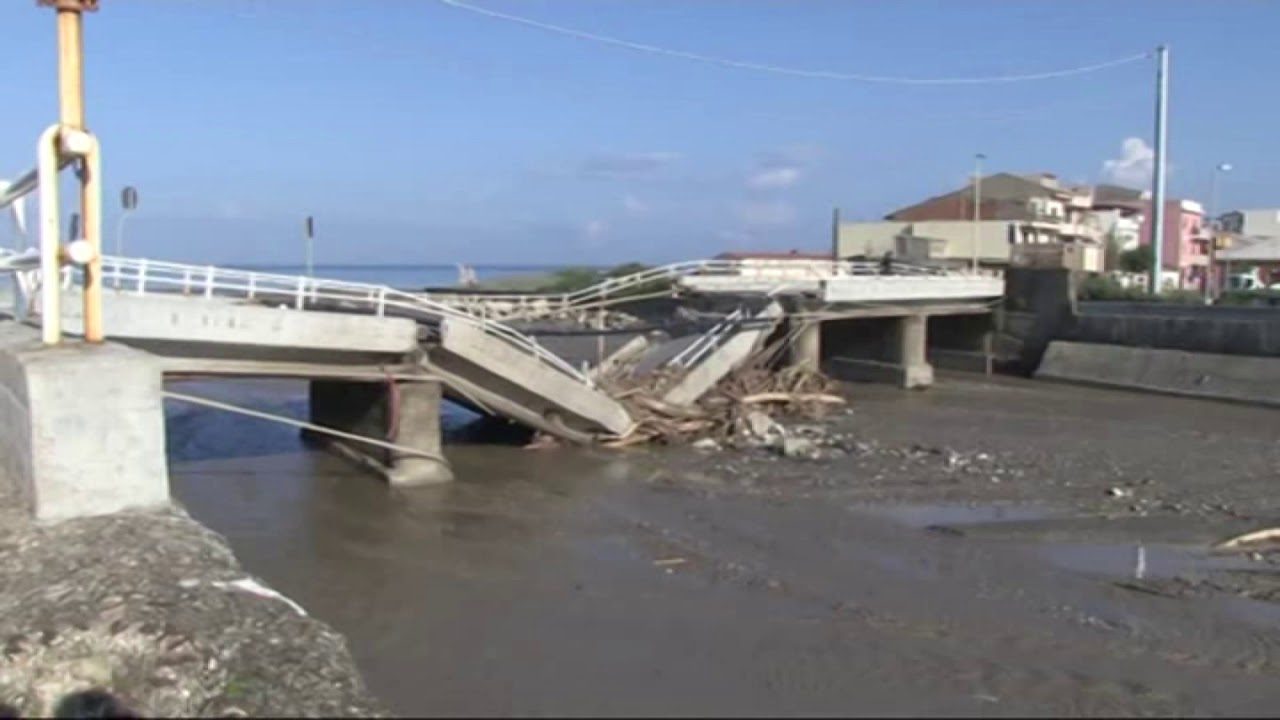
{"x":418,"y":132}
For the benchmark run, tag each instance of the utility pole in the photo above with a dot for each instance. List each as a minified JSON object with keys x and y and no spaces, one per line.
{"x":1210,"y":273}
{"x":309,"y":239}
{"x":1157,"y":176}
{"x":977,"y":206}
{"x":74,"y":139}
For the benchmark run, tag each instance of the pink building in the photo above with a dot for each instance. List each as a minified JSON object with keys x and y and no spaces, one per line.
{"x":1186,"y":244}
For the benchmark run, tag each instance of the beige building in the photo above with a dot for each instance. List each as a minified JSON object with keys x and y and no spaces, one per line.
{"x":951,"y":243}
{"x":1258,"y":223}
{"x":1024,"y":220}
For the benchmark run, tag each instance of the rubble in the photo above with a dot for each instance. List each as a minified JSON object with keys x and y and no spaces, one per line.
{"x":744,"y":408}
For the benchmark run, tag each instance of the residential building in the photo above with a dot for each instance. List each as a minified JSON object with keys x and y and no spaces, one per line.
{"x":1259,"y":223}
{"x":1045,"y":210}
{"x":941,"y":242}
{"x":1254,"y":259}
{"x":1118,"y":213}
{"x":1014,"y":211}
{"x":1185,"y":246}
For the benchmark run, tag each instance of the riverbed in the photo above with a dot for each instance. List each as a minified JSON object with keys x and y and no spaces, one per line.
{"x":1002,"y":547}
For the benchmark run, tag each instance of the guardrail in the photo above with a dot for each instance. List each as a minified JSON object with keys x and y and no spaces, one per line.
{"x":152,"y":277}
{"x":530,"y":305}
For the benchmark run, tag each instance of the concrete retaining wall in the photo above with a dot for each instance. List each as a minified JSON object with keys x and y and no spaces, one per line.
{"x":1039,"y":303}
{"x":81,"y":427}
{"x":1224,"y":377}
{"x":1223,"y":330}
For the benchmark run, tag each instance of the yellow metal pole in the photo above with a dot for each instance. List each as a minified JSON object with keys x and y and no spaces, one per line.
{"x":70,"y":17}
{"x":71,"y":64}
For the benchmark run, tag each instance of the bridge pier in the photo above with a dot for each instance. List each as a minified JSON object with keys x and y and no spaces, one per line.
{"x":401,"y":412}
{"x":912,"y":345}
{"x":806,"y":346}
{"x":881,"y":349}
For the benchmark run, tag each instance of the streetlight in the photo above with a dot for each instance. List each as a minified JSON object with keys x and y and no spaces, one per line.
{"x":1218,"y":171}
{"x":128,"y":203}
{"x":309,"y":238}
{"x":977,"y":205}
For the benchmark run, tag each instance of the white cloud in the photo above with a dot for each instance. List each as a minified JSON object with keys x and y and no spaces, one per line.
{"x":594,"y":231}
{"x":781,"y":168}
{"x":615,"y":166}
{"x":634,"y":205}
{"x":767,"y":213}
{"x":1133,"y":167}
{"x":774,"y":177}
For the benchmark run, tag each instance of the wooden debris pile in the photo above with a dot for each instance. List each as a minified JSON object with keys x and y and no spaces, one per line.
{"x":720,"y":414}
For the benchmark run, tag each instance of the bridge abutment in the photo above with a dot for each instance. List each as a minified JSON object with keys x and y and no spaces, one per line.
{"x":81,"y":426}
{"x":405,"y":413}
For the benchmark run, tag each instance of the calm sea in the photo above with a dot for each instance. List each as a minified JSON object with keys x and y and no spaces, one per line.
{"x":405,"y":277}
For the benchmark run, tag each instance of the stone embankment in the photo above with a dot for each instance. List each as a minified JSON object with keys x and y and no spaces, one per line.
{"x":154,"y":608}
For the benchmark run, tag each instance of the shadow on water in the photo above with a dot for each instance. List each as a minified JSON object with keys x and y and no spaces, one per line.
{"x":195,"y":433}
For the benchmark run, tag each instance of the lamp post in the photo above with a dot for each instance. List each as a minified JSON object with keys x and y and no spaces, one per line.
{"x":1210,"y":289}
{"x":309,"y":238}
{"x":128,"y":203}
{"x":977,"y":207}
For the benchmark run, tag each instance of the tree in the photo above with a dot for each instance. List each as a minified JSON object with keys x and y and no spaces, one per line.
{"x":1137,"y":260}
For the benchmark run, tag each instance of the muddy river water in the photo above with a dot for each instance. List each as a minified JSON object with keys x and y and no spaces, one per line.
{"x":587,"y":582}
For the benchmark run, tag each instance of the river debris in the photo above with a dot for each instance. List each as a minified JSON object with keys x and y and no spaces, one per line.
{"x":1251,"y":541}
{"x":742,"y":409}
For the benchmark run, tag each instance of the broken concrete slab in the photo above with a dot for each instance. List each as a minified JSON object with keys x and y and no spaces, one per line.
{"x":486,"y":360}
{"x":726,"y":358}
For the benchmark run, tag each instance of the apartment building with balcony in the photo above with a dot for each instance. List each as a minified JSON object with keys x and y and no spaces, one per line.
{"x":1022,"y":220}
{"x":1185,"y":245}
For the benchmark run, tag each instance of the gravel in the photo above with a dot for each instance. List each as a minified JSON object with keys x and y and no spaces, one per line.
{"x":155,"y":608}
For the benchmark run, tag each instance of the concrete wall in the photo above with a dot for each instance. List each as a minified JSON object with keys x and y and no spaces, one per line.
{"x":1223,"y":377}
{"x":874,"y":239}
{"x":1038,"y":304}
{"x":81,"y":427}
{"x":1222,"y":330}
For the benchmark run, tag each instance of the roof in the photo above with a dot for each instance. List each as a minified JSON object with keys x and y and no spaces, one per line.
{"x":1117,"y":196}
{"x":995,"y":188}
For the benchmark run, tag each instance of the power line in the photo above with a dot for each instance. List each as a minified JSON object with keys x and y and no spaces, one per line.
{"x":781,"y":70}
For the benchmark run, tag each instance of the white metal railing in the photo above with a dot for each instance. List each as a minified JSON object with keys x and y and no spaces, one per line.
{"x":530,"y":305}
{"x":151,"y":277}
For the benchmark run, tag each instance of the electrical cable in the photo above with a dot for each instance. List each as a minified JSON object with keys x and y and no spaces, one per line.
{"x":783,"y":70}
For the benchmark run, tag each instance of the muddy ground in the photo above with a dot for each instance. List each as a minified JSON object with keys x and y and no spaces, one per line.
{"x":996,"y":547}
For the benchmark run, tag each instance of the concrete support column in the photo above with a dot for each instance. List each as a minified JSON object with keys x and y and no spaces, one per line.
{"x":806,"y":347}
{"x":404,"y":413}
{"x":911,"y":346}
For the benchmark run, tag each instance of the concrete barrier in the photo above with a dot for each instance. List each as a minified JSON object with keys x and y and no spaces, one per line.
{"x":1237,"y":378}
{"x":81,"y":426}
